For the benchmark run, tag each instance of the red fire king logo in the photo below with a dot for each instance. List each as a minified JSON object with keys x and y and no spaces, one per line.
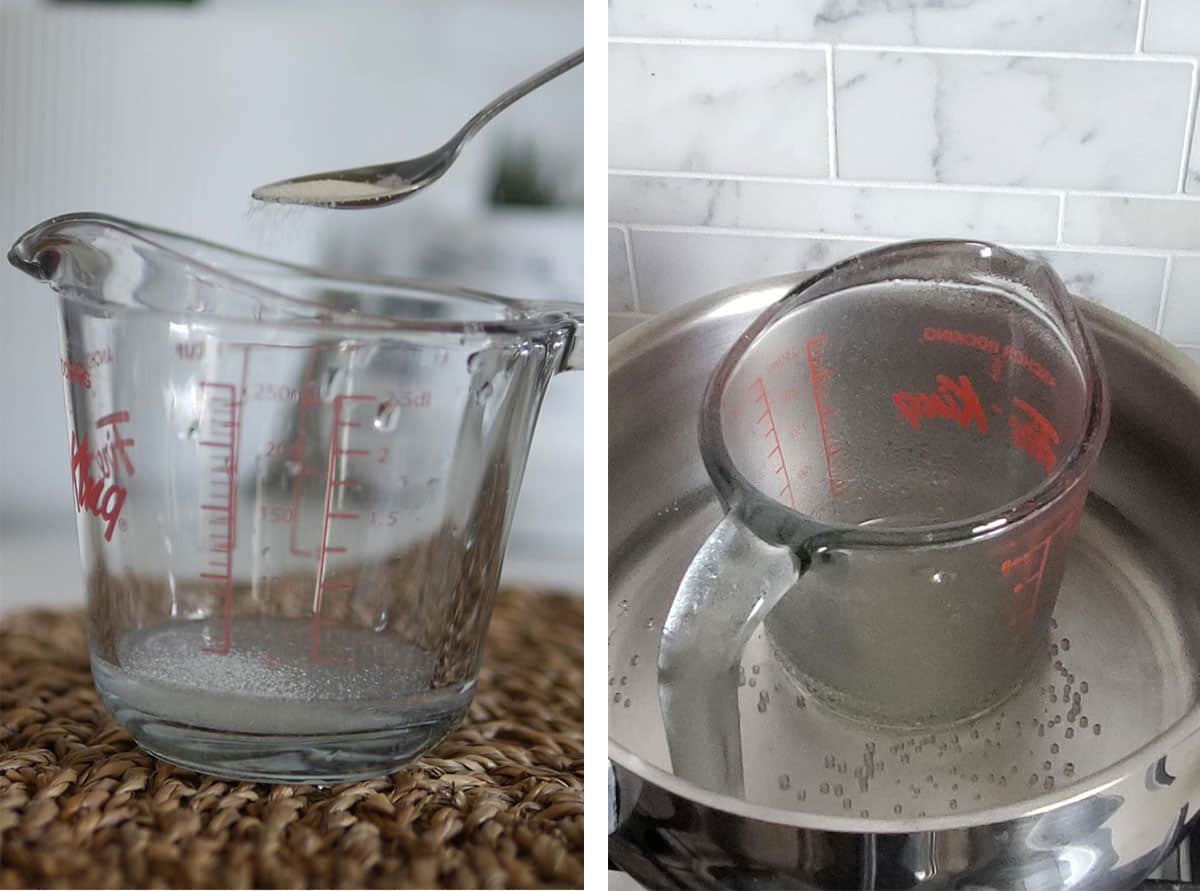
{"x":102,"y":496}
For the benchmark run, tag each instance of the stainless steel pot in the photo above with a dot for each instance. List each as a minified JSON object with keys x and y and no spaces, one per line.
{"x":1103,"y":805}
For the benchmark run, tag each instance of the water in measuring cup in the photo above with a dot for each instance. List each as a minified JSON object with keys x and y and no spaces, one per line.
{"x":268,"y":684}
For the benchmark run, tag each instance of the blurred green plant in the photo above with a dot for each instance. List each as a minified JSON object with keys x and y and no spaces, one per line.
{"x":521,"y":176}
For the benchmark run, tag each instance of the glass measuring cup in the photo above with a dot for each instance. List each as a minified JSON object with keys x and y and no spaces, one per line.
{"x":902,"y":446}
{"x":293,"y":493}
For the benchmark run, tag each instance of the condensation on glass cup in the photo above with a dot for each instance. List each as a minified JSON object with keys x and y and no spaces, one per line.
{"x":293,"y":492}
{"x":902,"y":447}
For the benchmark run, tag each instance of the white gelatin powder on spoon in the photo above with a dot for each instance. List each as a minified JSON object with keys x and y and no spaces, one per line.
{"x":323,"y":191}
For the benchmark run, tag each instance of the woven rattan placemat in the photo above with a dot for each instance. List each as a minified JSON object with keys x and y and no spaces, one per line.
{"x":499,"y":804}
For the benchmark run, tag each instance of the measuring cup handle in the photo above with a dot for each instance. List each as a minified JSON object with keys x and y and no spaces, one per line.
{"x":573,"y":358}
{"x":732,"y":583}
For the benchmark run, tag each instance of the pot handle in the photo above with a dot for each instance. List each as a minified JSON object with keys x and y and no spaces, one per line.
{"x":734,"y":580}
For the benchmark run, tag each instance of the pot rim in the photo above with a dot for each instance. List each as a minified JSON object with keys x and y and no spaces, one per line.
{"x":643,"y":338}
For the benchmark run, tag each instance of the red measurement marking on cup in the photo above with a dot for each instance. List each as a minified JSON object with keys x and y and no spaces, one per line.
{"x":221,"y":437}
{"x":1034,"y":435}
{"x":772,"y":435}
{"x":338,"y":454}
{"x":299,"y":446}
{"x":1026,"y":593}
{"x":998,"y":353}
{"x":76,"y":373}
{"x":819,"y":373}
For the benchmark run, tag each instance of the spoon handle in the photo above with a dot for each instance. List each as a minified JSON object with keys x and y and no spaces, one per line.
{"x":507,"y":98}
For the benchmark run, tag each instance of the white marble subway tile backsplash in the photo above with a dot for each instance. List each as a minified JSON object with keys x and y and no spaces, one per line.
{"x":832,"y":208}
{"x":718,"y":109}
{"x":1079,"y":25}
{"x":784,"y":134}
{"x":1173,"y":26}
{"x":1181,"y":320}
{"x":676,"y":267}
{"x":1192,"y":182}
{"x":1130,"y":284}
{"x":620,"y":287}
{"x":1165,"y":223}
{"x":1011,"y":120}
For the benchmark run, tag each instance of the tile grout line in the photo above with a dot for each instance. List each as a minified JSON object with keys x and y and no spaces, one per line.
{"x":1062,"y":218}
{"x":816,"y":181}
{"x":831,"y":113}
{"x":1067,"y":247}
{"x":627,"y":236}
{"x":1189,"y":128}
{"x":900,"y":48}
{"x":906,"y":185}
{"x":1139,"y":41}
{"x":1162,"y":297}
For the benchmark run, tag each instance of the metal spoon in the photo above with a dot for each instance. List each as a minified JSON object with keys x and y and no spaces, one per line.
{"x":383,"y":184}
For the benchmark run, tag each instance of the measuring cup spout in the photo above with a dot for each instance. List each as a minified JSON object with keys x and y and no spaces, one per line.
{"x":103,"y":260}
{"x":122,"y":267}
{"x":38,"y":252}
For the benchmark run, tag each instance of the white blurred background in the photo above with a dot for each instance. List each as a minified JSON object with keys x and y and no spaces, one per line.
{"x":170,"y":113}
